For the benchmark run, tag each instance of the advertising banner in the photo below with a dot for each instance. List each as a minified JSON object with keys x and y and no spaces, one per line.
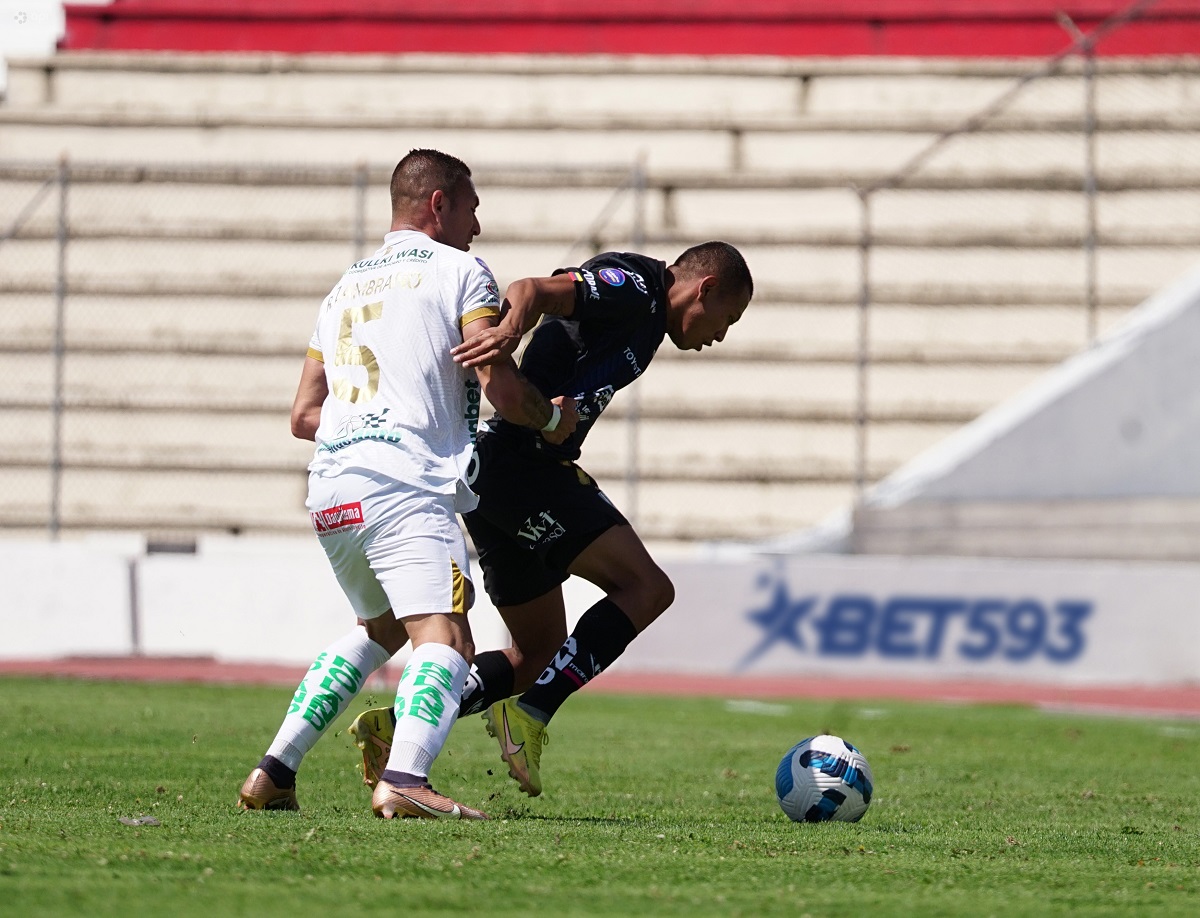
{"x":1066,"y":622}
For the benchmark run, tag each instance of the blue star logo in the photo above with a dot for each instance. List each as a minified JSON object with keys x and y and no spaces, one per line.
{"x":780,"y":619}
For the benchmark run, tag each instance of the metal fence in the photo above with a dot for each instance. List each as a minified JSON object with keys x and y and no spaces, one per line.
{"x":1141,"y":120}
{"x":153,"y":327}
{"x":153,"y":314}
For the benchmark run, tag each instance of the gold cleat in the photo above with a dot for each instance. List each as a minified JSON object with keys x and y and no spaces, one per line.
{"x":260,"y":793}
{"x":391,"y":802}
{"x":372,"y":732}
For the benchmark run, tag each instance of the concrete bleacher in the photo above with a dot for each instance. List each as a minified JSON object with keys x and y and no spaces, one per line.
{"x":1143,"y":529}
{"x":196,"y":263}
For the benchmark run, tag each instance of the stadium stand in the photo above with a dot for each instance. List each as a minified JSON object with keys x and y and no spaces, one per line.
{"x":1096,"y":460}
{"x":214,"y":197}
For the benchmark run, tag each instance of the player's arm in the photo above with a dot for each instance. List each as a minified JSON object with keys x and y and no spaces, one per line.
{"x":525,"y":302}
{"x":310,"y":396}
{"x":516,"y":399}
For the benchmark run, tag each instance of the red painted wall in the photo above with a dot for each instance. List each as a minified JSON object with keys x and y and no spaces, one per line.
{"x":952,"y":28}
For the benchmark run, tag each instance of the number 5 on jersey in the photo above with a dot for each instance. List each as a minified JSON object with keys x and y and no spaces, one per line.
{"x":349,"y":354}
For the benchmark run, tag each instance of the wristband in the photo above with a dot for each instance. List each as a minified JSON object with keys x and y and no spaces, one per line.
{"x":555,"y":417}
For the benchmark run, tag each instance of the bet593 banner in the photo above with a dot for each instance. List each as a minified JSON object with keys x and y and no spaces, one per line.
{"x":1072,"y":622}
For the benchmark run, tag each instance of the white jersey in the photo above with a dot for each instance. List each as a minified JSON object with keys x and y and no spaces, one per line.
{"x":398,"y":405}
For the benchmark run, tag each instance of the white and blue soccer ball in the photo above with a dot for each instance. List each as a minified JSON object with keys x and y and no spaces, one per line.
{"x":824,"y":778}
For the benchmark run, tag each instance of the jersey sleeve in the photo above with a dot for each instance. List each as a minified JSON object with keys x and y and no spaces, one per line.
{"x":480,"y":294}
{"x":314,"y":346}
{"x":607,"y":294}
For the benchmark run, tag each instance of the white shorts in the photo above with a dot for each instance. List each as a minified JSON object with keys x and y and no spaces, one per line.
{"x":392,"y":545}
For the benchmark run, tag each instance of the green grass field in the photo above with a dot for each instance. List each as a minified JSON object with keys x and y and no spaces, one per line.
{"x":652,"y":806}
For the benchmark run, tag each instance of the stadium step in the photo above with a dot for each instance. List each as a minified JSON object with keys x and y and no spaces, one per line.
{"x":195,"y":265}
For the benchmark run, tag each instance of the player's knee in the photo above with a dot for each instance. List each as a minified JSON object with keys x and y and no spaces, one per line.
{"x":643,"y":594}
{"x":660,"y":592}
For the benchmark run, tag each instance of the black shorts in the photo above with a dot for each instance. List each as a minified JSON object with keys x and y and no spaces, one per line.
{"x":535,"y":515}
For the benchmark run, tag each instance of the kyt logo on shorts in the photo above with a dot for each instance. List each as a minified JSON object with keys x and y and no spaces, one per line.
{"x":339,"y":517}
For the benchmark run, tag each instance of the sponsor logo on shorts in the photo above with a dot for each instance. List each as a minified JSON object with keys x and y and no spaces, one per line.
{"x":340,"y":517}
{"x":614,"y":277}
{"x":541,"y":527}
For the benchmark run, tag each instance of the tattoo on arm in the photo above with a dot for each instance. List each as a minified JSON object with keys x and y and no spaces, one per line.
{"x":534,"y":405}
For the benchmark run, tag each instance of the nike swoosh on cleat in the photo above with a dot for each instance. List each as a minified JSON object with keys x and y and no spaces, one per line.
{"x":509,"y":747}
{"x":455,"y":813}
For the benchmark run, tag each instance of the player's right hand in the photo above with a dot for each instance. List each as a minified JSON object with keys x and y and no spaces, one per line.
{"x":566,"y":423}
{"x":490,"y":347}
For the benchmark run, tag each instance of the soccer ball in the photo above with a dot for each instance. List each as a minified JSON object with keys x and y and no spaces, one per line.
{"x":823,"y":778}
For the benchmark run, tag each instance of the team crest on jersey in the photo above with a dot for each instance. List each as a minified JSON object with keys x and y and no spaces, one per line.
{"x":614,"y":277}
{"x":589,"y":406}
{"x":343,"y":516}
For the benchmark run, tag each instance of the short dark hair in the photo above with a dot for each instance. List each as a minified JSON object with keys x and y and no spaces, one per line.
{"x":721,"y":260}
{"x":421,"y":173}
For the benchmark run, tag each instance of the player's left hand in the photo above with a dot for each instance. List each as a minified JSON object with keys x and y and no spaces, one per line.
{"x":491,"y":346}
{"x":567,"y":421}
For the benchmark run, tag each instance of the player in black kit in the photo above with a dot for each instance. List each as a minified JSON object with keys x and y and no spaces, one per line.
{"x":541,"y":517}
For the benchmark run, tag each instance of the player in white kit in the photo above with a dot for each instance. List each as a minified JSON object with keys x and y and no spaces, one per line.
{"x":394,"y":421}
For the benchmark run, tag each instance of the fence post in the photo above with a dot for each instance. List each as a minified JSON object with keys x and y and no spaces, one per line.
{"x":1086,"y":46}
{"x":862,"y":362}
{"x":135,"y":607}
{"x":361,"y":178}
{"x":1091,"y":298}
{"x":60,"y":313}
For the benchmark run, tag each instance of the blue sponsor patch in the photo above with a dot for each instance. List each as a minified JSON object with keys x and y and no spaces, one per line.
{"x":614,"y":277}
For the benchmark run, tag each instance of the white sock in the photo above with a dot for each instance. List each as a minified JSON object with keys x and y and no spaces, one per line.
{"x":330,"y":685}
{"x":427,"y":701}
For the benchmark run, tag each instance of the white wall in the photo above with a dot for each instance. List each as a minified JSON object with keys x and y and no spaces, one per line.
{"x":58,"y":600}
{"x":267,"y":600}
{"x":1120,"y":420}
{"x":276,"y":601}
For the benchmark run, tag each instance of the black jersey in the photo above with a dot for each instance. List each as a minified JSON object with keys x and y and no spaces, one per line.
{"x":619,"y":320}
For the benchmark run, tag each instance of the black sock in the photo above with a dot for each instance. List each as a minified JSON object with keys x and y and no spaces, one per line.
{"x":281,"y":776}
{"x":490,"y":680}
{"x":600,"y":636}
{"x":404,"y":779}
